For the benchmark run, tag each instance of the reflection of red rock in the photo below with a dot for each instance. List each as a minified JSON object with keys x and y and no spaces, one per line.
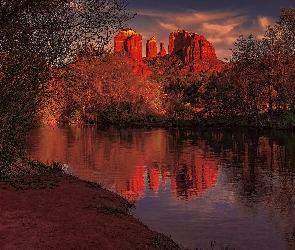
{"x":131,"y":42}
{"x":154,"y":179}
{"x":151,"y":48}
{"x":164,"y":179}
{"x":133,"y":188}
{"x":193,"y":180}
{"x":94,"y":156}
{"x":186,"y":181}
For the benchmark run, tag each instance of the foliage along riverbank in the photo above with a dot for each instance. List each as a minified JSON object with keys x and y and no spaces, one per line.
{"x":104,"y":90}
{"x":255,"y":88}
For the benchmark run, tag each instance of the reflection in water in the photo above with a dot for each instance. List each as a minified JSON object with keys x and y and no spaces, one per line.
{"x":118,"y":159}
{"x":192,"y":180}
{"x":228,"y":186}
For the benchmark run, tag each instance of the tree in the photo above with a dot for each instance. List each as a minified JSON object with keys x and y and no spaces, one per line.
{"x":35,"y":37}
{"x":103,"y":89}
{"x":246,"y":75}
{"x":263,"y":69}
{"x":181,"y":95}
{"x":279,"y":43}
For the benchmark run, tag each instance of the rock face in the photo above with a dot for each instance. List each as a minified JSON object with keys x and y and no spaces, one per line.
{"x":195,"y":51}
{"x":151,"y":48}
{"x":190,"y":46}
{"x":162,"y":51}
{"x":131,"y":42}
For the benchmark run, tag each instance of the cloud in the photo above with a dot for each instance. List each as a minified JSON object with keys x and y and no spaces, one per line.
{"x":221,"y":29}
{"x":264,"y":22}
{"x":168,"y":26}
{"x":200,"y":17}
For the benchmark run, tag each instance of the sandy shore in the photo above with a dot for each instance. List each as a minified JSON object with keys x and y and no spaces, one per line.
{"x":57,"y":211}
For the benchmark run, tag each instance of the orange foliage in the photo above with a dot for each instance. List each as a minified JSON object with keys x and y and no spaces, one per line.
{"x":98,"y":89}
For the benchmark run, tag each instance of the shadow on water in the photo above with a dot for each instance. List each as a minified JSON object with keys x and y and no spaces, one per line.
{"x":230,"y":185}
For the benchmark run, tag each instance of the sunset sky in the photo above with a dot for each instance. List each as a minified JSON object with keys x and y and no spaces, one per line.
{"x":221,"y":22}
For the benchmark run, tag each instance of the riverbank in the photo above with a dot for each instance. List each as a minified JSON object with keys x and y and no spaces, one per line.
{"x":43,"y":208}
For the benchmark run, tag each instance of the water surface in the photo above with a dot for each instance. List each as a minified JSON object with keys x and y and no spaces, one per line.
{"x":228,"y":186}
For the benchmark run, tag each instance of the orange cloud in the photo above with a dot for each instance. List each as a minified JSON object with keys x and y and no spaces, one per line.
{"x":220,"y":28}
{"x":169,"y":26}
{"x":265,"y":21}
{"x":199,"y":17}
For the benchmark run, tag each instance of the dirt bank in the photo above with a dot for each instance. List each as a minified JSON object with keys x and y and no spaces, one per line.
{"x":57,"y":211}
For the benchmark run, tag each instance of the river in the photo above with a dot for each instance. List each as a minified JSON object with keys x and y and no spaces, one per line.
{"x":203,"y":187}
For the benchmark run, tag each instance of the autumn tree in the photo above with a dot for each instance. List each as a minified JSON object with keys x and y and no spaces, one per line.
{"x":181,"y":89}
{"x":35,"y":37}
{"x":263,"y":69}
{"x":246,"y":75}
{"x":279,"y":55}
{"x":103,"y":90}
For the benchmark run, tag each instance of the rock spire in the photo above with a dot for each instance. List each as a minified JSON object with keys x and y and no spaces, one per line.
{"x":151,"y":48}
{"x":189,"y":46}
{"x":130,"y":41}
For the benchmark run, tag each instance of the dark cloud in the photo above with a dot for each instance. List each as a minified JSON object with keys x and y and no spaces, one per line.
{"x":269,"y":7}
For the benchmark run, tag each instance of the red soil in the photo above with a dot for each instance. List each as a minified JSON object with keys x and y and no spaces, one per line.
{"x":54,"y":211}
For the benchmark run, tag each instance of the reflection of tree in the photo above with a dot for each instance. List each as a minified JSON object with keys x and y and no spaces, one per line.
{"x":263,"y":178}
{"x":251,"y":179}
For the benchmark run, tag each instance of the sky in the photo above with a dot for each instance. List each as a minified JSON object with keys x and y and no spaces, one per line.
{"x":221,"y":22}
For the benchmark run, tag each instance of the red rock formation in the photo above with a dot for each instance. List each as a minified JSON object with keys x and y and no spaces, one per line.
{"x":140,"y":68}
{"x":154,"y":179}
{"x":190,"y":46}
{"x":151,"y":48}
{"x":196,"y":53}
{"x":131,"y":42}
{"x":162,"y":51}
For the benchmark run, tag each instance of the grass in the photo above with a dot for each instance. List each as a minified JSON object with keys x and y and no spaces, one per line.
{"x":94,"y":185}
{"x":30,"y":174}
{"x":160,"y":243}
{"x":213,"y":246}
{"x":109,"y":210}
{"x":41,"y":167}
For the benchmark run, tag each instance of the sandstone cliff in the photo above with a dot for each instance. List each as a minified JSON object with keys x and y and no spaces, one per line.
{"x":190,"y":46}
{"x":151,"y":48}
{"x":129,"y":41}
{"x":195,"y":51}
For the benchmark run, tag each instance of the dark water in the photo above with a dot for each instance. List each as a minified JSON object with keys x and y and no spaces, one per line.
{"x":222,"y":186}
